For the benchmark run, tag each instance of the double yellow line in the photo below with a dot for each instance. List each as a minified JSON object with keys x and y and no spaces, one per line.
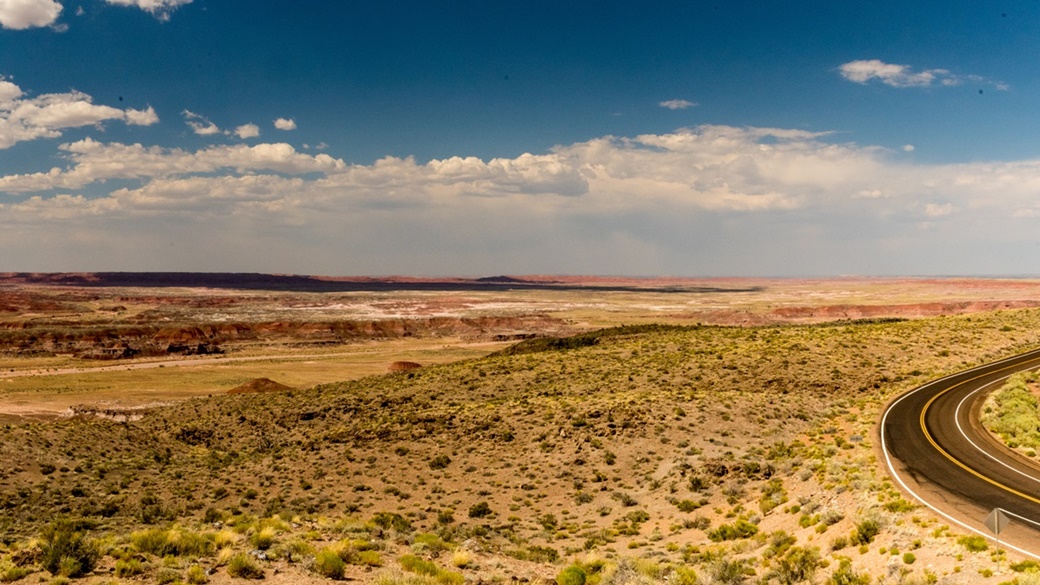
{"x":924,"y":429}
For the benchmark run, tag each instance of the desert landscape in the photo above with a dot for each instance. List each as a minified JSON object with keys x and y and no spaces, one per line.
{"x":211,"y":428}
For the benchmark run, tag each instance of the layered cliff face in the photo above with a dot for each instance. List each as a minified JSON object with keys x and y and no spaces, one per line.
{"x":126,"y":341}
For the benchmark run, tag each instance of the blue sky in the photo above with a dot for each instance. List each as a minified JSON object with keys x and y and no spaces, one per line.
{"x":474,"y":138}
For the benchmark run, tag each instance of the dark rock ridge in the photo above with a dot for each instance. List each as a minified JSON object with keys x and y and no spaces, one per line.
{"x":127,"y":341}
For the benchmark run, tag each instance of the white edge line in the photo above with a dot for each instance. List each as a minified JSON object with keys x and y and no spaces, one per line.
{"x":956,"y":419}
{"x":892,"y":469}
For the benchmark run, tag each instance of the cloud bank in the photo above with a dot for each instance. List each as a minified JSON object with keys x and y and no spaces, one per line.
{"x":704,"y":200}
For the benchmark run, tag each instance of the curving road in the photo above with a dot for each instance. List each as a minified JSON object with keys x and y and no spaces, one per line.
{"x":935,"y":448}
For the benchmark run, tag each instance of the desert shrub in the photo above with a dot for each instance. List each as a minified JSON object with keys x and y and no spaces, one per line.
{"x":152,"y":541}
{"x":197,"y":575}
{"x":739,"y":529}
{"x":153,"y":510}
{"x":243,"y":566}
{"x":572,"y":575}
{"x":831,"y":517}
{"x":684,"y":576}
{"x":369,"y":558}
{"x":328,"y":563}
{"x":899,"y":505}
{"x":12,"y":574}
{"x":440,"y":462}
{"x":535,"y":554}
{"x":687,"y":505}
{"x":973,"y":543}
{"x":414,"y":564}
{"x":450,"y":578}
{"x":548,"y":521}
{"x":388,"y":520}
{"x":1026,"y":565}
{"x":431,"y":542}
{"x":225,"y":538}
{"x":773,"y":494}
{"x":190,"y":544}
{"x":846,"y":575}
{"x":295,"y":550}
{"x":779,"y":542}
{"x":67,"y":552}
{"x":480,"y":510}
{"x":263,"y":538}
{"x":729,"y":571}
{"x":128,"y":567}
{"x":461,"y":558}
{"x":166,"y":575}
{"x":799,"y":565}
{"x":909,"y":558}
{"x":865,"y":531}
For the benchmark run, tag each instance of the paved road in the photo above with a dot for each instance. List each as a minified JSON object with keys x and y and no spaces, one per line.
{"x":936,"y":449}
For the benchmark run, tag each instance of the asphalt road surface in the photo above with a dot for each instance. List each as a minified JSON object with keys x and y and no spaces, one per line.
{"x":936,"y":449}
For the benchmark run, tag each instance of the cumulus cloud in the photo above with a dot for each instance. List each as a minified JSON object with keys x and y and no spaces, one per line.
{"x":142,"y":117}
{"x":677,"y":104}
{"x":199,"y":124}
{"x":47,"y":115}
{"x":710,"y":168}
{"x":285,"y":124}
{"x":670,"y":196}
{"x":247,"y":131}
{"x":93,"y":161}
{"x":866,"y":70}
{"x":23,"y":14}
{"x":160,"y":9}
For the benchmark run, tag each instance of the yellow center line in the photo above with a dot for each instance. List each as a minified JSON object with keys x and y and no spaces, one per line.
{"x":924,"y":428}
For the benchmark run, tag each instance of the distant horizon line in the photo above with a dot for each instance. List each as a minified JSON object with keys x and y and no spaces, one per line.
{"x":541,"y":276}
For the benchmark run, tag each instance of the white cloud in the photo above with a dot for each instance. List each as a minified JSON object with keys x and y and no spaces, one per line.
{"x":908,"y":148}
{"x":94,"y":161}
{"x":47,"y":115}
{"x":23,"y":14}
{"x":700,"y":198}
{"x":247,"y":131}
{"x":285,"y":124}
{"x":160,"y":9}
{"x":142,"y":117}
{"x":677,"y":104}
{"x":866,"y":70}
{"x":895,"y":75}
{"x":199,"y":124}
